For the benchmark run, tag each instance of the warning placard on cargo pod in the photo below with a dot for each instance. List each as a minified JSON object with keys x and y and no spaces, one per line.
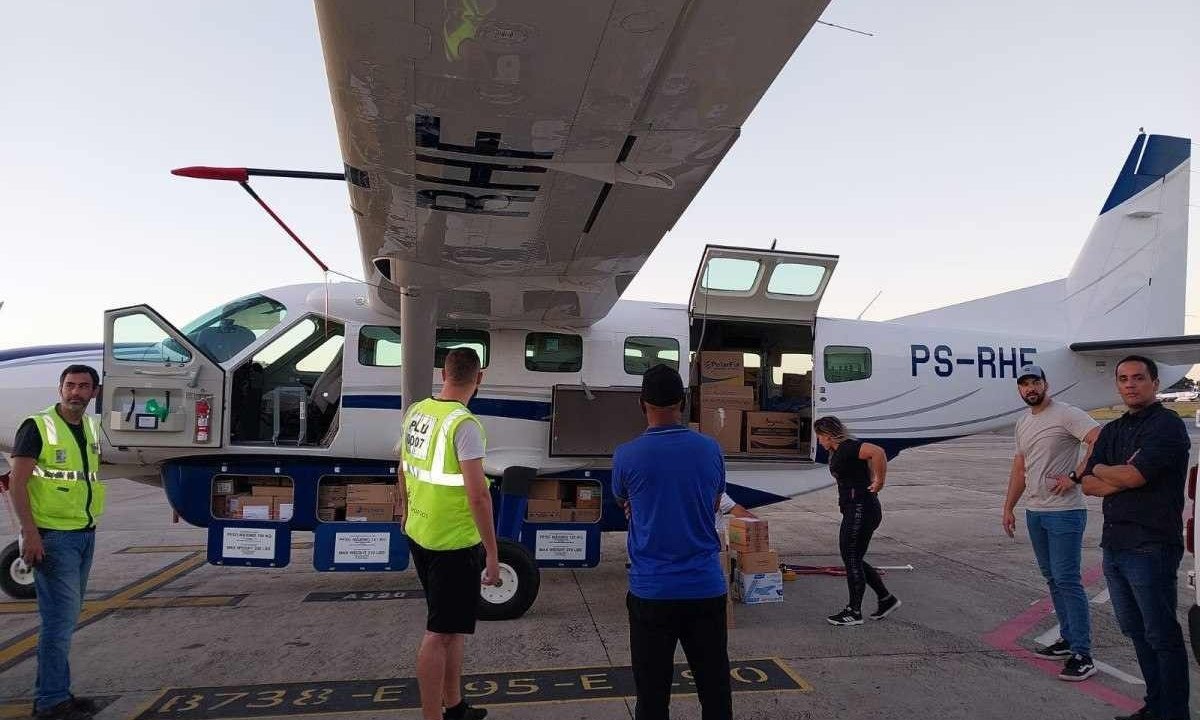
{"x":361,"y":547}
{"x":248,"y":543}
{"x":561,"y":545}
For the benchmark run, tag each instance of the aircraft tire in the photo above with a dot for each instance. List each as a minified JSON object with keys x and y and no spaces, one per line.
{"x":15,"y":579}
{"x":520,"y":580}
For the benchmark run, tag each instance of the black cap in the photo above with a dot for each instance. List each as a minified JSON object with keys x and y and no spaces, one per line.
{"x":662,"y":386}
{"x":1032,"y":371}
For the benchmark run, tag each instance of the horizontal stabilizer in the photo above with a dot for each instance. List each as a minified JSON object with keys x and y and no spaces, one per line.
{"x":1177,"y":350}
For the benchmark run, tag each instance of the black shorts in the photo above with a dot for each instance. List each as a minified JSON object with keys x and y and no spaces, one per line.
{"x":451,"y":579}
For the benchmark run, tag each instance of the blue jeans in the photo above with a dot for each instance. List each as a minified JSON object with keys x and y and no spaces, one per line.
{"x":61,"y":581}
{"x":1142,"y":583}
{"x":1057,"y":539}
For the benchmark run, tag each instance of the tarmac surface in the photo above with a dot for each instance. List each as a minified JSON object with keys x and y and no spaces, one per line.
{"x":165,"y":635}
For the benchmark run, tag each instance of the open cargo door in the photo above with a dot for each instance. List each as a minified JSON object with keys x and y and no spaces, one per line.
{"x":759,"y":285}
{"x":159,"y":389}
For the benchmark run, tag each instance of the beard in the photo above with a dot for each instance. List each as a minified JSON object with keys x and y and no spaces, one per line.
{"x":1033,"y":400}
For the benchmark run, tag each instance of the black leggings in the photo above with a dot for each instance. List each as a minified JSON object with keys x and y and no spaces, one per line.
{"x":859,"y":521}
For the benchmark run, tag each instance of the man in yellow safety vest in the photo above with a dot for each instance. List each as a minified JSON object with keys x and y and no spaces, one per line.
{"x":59,"y":498}
{"x":446,"y":510}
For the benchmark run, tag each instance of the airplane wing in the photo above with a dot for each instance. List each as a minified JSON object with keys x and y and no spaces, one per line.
{"x":1178,"y":350}
{"x":522,"y":159}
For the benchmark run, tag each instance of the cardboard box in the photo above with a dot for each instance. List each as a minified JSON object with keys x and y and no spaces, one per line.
{"x":585,"y":515}
{"x":283,"y":510}
{"x":752,"y":376}
{"x":721,"y":367}
{"x":749,"y":535}
{"x":694,"y":426}
{"x":758,"y":588}
{"x":233,"y":507}
{"x":546,"y":490}
{"x":369,"y":512}
{"x":223,"y":486}
{"x":256,"y":508}
{"x":773,"y":433}
{"x":370,"y":494}
{"x":736,"y":397}
{"x":327,"y":514}
{"x":331,"y":496}
{"x":271,"y":491}
{"x":797,"y":385}
{"x":587,"y":497}
{"x":724,"y":426}
{"x":550,"y":516}
{"x":758,"y":562}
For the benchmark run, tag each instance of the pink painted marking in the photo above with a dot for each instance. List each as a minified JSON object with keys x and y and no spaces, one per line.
{"x":1004,"y":638}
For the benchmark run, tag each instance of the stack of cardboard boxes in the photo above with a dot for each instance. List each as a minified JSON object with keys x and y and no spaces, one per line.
{"x":370,"y":502}
{"x":331,"y":502}
{"x":268,"y":499}
{"x":560,"y":501}
{"x":724,"y":397}
{"x":756,"y":575}
{"x":726,"y":401}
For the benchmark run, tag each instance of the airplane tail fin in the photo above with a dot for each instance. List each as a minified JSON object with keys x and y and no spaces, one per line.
{"x":1129,"y":280}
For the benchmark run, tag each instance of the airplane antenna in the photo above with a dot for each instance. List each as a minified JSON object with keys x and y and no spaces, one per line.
{"x":847,"y":29}
{"x":868,"y":307}
{"x":773,"y":241}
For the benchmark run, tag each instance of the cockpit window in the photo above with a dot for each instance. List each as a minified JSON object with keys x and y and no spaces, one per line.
{"x":229,"y":329}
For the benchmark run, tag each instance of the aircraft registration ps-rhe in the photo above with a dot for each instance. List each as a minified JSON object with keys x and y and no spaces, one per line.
{"x":509,"y":171}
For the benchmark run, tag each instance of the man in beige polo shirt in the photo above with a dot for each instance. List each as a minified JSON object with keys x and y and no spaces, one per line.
{"x":1047,"y":464}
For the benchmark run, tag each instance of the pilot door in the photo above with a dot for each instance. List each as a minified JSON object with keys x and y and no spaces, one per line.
{"x":158,"y":390}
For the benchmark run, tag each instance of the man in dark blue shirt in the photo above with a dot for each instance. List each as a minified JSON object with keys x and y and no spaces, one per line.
{"x":671,"y":479}
{"x":1139,"y":467}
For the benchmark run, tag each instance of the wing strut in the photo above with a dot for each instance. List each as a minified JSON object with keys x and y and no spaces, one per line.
{"x":242,"y":177}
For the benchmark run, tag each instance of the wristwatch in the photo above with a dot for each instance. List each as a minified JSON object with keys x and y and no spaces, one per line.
{"x":1074,"y":477}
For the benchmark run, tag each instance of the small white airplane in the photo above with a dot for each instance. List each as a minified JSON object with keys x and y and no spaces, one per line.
{"x":504,"y":203}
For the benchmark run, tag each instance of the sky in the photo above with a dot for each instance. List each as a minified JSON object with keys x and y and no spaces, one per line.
{"x":963,"y":150}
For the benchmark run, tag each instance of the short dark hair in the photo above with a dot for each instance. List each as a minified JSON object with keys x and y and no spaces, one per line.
{"x":78,"y":370}
{"x":462,"y":365}
{"x":1151,"y":366}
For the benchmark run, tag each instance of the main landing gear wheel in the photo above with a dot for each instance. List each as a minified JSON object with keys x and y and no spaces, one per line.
{"x":16,"y":578}
{"x":519,"y":583}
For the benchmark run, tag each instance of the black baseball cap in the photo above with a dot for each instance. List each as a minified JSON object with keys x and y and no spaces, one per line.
{"x":662,"y":386}
{"x":1032,"y":371}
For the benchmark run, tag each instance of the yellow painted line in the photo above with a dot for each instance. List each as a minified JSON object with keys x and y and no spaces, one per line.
{"x":805,"y":686}
{"x":16,"y":649}
{"x":27,"y":608}
{"x":158,"y":579}
{"x":16,"y":710}
{"x":174,"y":602}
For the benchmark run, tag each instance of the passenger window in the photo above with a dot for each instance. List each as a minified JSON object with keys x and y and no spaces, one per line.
{"x":137,"y":338}
{"x":553,"y":352}
{"x":643,"y":353}
{"x":729,"y":274}
{"x":796,"y":279}
{"x":447,"y":340}
{"x":844,"y":363}
{"x":379,"y":346}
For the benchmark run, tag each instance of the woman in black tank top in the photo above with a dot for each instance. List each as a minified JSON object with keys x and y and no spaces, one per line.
{"x":860,"y":469}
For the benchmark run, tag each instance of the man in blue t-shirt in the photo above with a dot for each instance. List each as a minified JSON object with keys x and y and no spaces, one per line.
{"x":670,"y":480}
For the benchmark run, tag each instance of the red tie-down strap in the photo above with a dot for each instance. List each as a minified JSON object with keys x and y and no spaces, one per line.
{"x":4,"y":479}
